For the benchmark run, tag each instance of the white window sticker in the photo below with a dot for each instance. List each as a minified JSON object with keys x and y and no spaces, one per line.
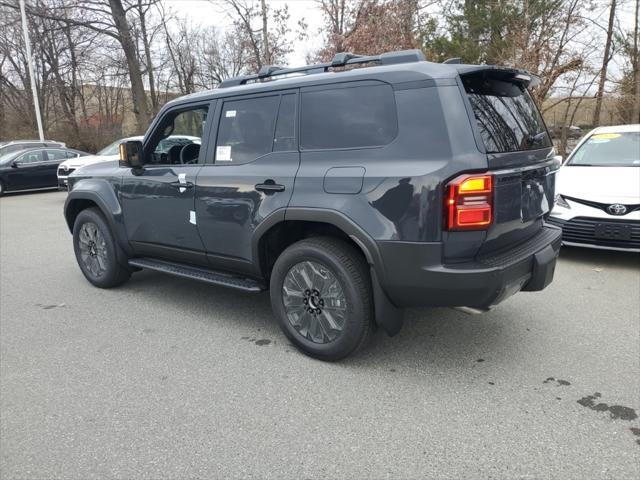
{"x":223,"y":153}
{"x":230,"y":113}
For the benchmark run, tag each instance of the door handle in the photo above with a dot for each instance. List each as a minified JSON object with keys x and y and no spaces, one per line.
{"x":269,"y":186}
{"x":181,"y":185}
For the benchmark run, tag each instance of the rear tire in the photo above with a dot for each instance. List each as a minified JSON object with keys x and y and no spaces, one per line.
{"x":321,"y":297}
{"x":99,"y":256}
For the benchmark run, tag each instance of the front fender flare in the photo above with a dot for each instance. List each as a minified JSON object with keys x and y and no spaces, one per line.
{"x":101,"y":193}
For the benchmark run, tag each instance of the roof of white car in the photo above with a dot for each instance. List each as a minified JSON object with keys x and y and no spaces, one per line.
{"x":617,"y":129}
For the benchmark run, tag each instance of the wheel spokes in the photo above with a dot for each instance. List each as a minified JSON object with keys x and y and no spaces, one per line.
{"x":314,"y":302}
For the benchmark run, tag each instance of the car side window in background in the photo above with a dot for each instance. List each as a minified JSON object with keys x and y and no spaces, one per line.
{"x":362,"y":116}
{"x":72,"y":155}
{"x":31,"y":157}
{"x":53,"y":155}
{"x":246,"y":129}
{"x":181,"y":138}
{"x":285,"y":138}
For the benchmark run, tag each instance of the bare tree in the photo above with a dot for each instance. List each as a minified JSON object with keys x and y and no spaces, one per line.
{"x":605,"y":63}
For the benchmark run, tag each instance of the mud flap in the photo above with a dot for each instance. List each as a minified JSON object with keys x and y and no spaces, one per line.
{"x":544,"y":265}
{"x":387,"y":315}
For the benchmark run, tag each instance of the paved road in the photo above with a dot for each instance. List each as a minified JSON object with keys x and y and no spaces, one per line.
{"x":168,"y":378}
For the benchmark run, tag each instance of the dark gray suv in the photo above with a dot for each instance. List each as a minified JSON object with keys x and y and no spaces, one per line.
{"x":347,"y":192}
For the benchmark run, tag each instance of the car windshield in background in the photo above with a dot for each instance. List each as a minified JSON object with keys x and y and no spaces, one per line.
{"x":609,"y":150}
{"x":507,"y":117}
{"x":111,"y":149}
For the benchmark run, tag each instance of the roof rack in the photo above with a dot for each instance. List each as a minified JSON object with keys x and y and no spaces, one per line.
{"x":269,"y":72}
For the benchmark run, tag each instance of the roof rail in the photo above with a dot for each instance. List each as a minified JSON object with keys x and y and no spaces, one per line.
{"x":270,"y":72}
{"x":454,"y":60}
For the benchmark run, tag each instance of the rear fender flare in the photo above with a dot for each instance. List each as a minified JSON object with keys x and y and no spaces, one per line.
{"x":387,"y":315}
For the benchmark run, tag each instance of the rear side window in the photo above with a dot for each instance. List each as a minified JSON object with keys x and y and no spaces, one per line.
{"x":56,"y":155}
{"x":362,"y":116}
{"x":506,"y":115}
{"x":285,"y":138}
{"x":246,"y":129}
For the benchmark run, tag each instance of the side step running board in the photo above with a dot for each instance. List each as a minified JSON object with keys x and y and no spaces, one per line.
{"x":197,"y":273}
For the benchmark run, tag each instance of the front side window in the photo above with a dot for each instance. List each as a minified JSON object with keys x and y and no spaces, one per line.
{"x":180,"y":138}
{"x":31,"y":157}
{"x":246,"y":129}
{"x":353,"y":117}
{"x":608,"y":150}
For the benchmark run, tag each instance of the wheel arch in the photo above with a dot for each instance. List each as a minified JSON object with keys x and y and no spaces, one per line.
{"x":97,"y":193}
{"x":282,"y":229}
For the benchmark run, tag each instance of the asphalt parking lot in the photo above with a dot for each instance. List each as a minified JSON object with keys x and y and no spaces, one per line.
{"x":169,"y":378}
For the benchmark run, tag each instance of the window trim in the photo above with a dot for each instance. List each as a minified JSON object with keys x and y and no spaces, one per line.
{"x":340,"y":86}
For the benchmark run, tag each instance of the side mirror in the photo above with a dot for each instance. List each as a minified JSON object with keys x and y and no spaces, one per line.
{"x":15,"y":164}
{"x":131,"y":155}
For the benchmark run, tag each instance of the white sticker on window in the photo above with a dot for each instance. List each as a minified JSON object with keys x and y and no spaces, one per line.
{"x":230,"y":113}
{"x":223,"y":153}
{"x":192,"y":217}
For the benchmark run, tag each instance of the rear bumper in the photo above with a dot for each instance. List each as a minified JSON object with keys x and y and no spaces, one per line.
{"x":415,"y":276}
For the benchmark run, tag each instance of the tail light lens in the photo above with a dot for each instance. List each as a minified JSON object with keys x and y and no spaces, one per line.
{"x":469,"y":203}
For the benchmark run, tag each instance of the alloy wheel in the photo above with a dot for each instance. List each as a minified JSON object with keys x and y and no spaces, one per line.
{"x":93,"y":249}
{"x":314,"y":302}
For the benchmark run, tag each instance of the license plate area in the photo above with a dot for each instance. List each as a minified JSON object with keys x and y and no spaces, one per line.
{"x":535,"y":197}
{"x":612,"y":231}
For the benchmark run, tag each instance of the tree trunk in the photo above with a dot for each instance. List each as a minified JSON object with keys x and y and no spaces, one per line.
{"x":265,"y":35}
{"x":605,"y":64}
{"x":147,"y":56}
{"x":138,"y":94}
{"x":635,"y":118}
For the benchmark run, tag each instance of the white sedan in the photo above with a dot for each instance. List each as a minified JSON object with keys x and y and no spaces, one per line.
{"x":598,"y":191}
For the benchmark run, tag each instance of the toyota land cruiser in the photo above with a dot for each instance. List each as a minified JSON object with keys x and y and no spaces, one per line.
{"x":349,"y":193}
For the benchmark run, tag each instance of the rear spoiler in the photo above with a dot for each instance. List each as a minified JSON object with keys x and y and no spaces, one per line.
{"x":529,"y":80}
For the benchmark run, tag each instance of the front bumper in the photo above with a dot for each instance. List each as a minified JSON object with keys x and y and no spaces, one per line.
{"x":415,"y":276}
{"x":584,"y":226}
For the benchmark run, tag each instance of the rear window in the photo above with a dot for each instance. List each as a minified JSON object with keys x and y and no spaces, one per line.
{"x":608,"y":150}
{"x":354,"y":117}
{"x":506,"y":115}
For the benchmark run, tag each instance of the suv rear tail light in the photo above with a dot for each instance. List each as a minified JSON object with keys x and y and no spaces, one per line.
{"x":469,"y":203}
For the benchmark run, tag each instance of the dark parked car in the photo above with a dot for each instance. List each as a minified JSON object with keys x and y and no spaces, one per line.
{"x":349,"y":193}
{"x":33,"y":169}
{"x":17,"y":145}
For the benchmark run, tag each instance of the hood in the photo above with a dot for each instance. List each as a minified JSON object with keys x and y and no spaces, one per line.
{"x":88,"y":160}
{"x":600,"y":184}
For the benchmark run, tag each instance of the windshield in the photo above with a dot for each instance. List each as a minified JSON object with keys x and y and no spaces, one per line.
{"x":608,"y":150}
{"x":506,"y":115}
{"x":111,"y":149}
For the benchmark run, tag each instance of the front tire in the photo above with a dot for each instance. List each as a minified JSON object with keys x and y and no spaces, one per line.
{"x":321,"y":296}
{"x":97,"y":253}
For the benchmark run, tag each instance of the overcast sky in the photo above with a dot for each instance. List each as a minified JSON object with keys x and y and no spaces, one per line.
{"x":214,"y":12}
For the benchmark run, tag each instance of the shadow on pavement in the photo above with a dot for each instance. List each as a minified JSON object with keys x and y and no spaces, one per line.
{"x":443,"y":338}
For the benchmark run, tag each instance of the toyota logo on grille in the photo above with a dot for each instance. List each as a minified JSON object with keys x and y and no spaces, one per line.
{"x":617,"y":209}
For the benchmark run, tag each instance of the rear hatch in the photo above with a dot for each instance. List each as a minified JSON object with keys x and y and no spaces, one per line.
{"x":519,"y":152}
